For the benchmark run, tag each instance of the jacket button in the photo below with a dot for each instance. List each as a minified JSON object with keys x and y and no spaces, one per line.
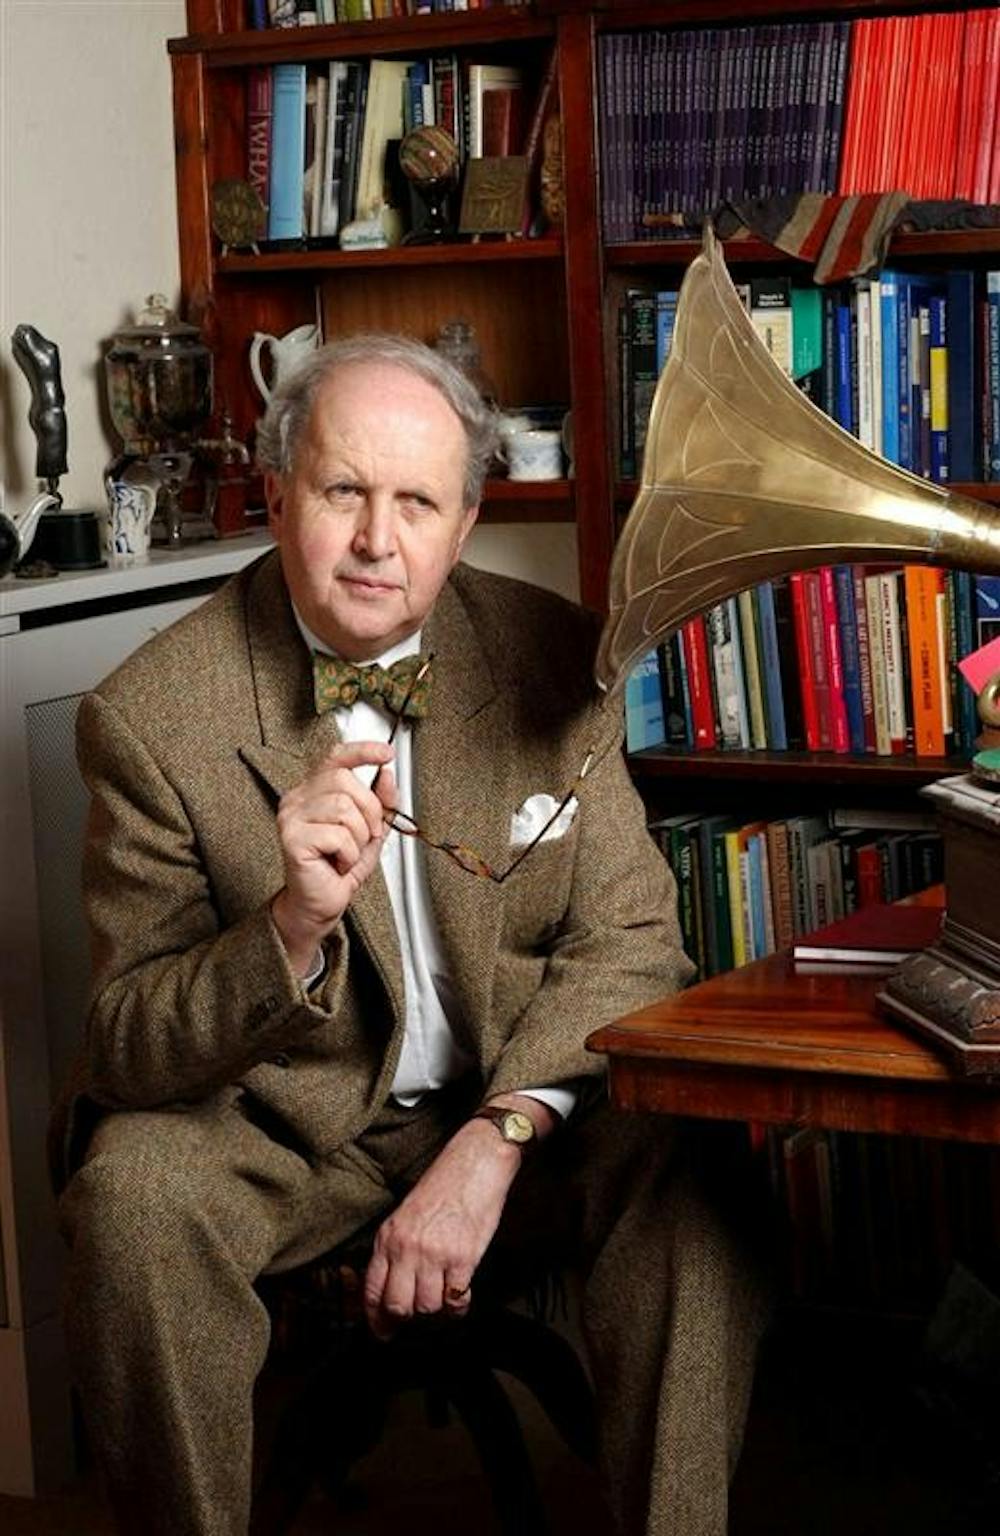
{"x":280,"y":1059}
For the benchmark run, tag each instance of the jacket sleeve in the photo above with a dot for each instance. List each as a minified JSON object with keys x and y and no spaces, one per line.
{"x":180,"y":1004}
{"x":619,"y":946}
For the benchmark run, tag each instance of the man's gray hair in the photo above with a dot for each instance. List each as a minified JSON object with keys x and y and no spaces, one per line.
{"x":280,"y":430}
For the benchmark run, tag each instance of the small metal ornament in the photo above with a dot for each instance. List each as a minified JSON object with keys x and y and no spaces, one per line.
{"x":494,"y":195}
{"x":239,"y":217}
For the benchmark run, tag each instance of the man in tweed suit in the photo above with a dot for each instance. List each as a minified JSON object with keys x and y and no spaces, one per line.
{"x":299,"y":1013}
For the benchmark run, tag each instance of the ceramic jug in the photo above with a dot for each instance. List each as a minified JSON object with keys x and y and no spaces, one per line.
{"x":285,"y":352}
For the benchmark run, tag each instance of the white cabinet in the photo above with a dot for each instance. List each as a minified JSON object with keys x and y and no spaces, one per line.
{"x":57,"y":639}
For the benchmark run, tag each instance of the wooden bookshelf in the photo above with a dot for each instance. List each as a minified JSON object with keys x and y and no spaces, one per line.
{"x":542,"y":309}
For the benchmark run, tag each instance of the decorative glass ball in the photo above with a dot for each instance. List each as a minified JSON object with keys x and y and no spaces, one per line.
{"x":428,"y":155}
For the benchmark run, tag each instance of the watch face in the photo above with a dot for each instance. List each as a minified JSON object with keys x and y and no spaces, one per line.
{"x":517,"y":1126}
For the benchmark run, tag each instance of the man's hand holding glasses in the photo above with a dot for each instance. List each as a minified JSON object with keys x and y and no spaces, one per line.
{"x":331,"y":828}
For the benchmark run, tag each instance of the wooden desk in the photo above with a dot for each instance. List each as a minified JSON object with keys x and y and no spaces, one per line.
{"x":772,"y":1043}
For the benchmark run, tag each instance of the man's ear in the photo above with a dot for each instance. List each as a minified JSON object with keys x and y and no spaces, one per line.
{"x":469,"y":517}
{"x":274,"y":495}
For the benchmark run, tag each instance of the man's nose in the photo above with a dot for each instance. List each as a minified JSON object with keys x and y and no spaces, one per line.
{"x":375,"y":534}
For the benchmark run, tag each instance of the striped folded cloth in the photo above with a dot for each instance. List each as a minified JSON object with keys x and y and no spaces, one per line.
{"x":845,"y":236}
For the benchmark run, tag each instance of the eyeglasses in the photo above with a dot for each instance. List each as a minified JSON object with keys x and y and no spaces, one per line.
{"x":467,"y":858}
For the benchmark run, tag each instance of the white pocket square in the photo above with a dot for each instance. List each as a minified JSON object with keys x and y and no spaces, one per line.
{"x":526,"y":823}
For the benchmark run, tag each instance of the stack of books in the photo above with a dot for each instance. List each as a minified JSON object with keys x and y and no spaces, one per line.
{"x":747,"y":889}
{"x":689,"y":119}
{"x":845,"y":659}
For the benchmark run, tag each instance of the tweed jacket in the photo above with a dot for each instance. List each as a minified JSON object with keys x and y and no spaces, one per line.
{"x":187,"y":749}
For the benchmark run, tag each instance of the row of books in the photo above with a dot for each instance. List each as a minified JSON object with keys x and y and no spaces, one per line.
{"x":326,"y":13}
{"x":689,"y":119}
{"x":320,"y":137}
{"x":842,"y":659}
{"x":907,"y":362}
{"x":880,"y":1220}
{"x":749,"y":889}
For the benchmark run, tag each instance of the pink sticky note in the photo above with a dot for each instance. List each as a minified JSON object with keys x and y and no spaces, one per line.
{"x":983,"y":664}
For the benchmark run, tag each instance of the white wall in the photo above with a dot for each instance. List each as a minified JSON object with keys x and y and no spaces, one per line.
{"x":88,"y":229}
{"x":87,"y":206}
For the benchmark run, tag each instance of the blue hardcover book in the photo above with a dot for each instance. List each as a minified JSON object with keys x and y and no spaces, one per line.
{"x":644,"y":705}
{"x":770,"y":655}
{"x":937,"y":384}
{"x":828,"y":389}
{"x":991,"y":379}
{"x":417,"y":76}
{"x":758,"y":931}
{"x":987,"y":589}
{"x":666,"y":315}
{"x":962,"y":412}
{"x":288,"y":146}
{"x":903,"y":375}
{"x":835,"y":112}
{"x":850,"y":661}
{"x":672,"y":692}
{"x":843,"y":411}
{"x":889,"y":292}
{"x":686,"y":697}
{"x":257,"y":16}
{"x":965,"y":643}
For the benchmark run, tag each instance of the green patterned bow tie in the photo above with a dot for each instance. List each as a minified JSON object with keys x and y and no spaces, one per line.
{"x":337,"y":684}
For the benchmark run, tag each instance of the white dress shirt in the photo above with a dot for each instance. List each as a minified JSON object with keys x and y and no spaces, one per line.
{"x":432,"y":1053}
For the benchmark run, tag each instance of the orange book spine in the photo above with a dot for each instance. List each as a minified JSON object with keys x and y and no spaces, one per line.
{"x":924,"y":585}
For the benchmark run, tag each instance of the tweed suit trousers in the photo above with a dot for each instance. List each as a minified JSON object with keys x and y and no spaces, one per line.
{"x":174,"y":1214}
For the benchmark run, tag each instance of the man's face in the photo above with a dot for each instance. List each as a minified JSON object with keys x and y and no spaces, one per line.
{"x":370,"y":521}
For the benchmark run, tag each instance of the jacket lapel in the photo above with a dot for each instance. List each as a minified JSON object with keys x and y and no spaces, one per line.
{"x":293,"y":739}
{"x":461,"y":772}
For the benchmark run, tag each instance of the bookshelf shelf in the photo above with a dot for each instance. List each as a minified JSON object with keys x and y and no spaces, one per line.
{"x":404,"y":34}
{"x":455,"y":253}
{"x":523,"y":501}
{"x":906,"y":773}
{"x":925,"y":245}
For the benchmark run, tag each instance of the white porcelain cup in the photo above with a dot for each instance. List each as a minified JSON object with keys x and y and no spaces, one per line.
{"x":127,"y":524}
{"x":285,"y":353}
{"x":128,"y":521}
{"x":533,"y":453}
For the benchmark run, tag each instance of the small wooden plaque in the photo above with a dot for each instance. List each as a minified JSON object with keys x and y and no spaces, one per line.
{"x":494,"y":194}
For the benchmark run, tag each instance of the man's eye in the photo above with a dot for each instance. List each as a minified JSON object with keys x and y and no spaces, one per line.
{"x":342,"y":488}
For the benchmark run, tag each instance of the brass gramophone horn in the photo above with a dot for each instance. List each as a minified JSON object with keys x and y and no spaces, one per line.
{"x":743,"y":479}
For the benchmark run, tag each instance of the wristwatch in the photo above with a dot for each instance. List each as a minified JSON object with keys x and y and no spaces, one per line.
{"x":513,"y":1124}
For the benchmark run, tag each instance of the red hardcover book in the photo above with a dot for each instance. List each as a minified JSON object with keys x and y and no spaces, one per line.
{"x":913,"y":127}
{"x":694,"y":641}
{"x":855,"y":106}
{"x":504,"y":120}
{"x":803,"y":645}
{"x":971,"y":102}
{"x":895,"y":91}
{"x":879,"y":934}
{"x":988,"y":117}
{"x":943,"y":145}
{"x":864,"y":657}
{"x":260,"y":109}
{"x":869,"y":872}
{"x":840,"y":736}
{"x":811,"y":587}
{"x":992,"y":97}
{"x":878,"y":127}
